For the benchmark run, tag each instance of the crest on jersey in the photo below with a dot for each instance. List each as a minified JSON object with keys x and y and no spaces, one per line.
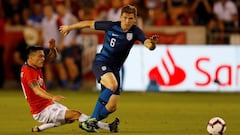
{"x":104,"y":68}
{"x":129,"y":36}
{"x":40,"y":81}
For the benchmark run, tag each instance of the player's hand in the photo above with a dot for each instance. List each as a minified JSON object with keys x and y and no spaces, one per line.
{"x":154,"y":39}
{"x":51,"y":44}
{"x":58,"y":98}
{"x":64,"y":29}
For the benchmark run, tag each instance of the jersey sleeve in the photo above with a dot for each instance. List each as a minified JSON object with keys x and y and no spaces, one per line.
{"x":30,"y":76}
{"x":103,"y":25}
{"x":140,"y":35}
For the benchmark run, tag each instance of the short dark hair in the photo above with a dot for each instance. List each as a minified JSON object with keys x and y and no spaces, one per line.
{"x":31,"y":49}
{"x":130,"y":10}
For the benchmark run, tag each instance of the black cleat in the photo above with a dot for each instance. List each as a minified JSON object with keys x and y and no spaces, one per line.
{"x":114,"y":125}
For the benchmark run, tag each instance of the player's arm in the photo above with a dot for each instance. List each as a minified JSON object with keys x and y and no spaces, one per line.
{"x":65,"y":29}
{"x":151,"y":42}
{"x":53,"y":51}
{"x":42,"y":93}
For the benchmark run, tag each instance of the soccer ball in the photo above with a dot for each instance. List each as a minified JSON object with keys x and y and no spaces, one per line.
{"x":216,"y":126}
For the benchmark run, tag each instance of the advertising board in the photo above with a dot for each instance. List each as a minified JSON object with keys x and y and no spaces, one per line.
{"x":183,"y":68}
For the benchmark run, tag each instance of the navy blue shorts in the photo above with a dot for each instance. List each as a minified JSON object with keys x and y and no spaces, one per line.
{"x":74,"y":51}
{"x":100,"y":68}
{"x":67,"y":52}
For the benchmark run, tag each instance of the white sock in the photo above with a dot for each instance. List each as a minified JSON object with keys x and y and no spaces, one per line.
{"x":103,"y":125}
{"x":47,"y":125}
{"x":83,"y":117}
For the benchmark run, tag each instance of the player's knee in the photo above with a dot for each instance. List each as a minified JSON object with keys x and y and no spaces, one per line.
{"x":109,"y":81}
{"x":72,"y":115}
{"x":112,"y":108}
{"x":113,"y":86}
{"x":76,"y":114}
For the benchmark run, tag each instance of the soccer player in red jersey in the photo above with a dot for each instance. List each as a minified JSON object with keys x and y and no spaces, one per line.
{"x":43,"y":105}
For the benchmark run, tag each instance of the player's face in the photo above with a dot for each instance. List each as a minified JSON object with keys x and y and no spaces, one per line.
{"x":37,"y":59}
{"x":127,"y":21}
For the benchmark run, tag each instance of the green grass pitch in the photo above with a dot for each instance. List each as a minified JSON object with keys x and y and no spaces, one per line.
{"x":162,"y":113}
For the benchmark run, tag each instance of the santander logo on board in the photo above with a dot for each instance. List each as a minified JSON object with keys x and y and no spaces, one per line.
{"x":167,"y":72}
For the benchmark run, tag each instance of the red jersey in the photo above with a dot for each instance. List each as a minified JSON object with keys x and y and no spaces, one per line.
{"x":28,"y":75}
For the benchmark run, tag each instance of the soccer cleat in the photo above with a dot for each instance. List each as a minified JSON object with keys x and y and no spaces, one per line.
{"x":114,"y":125}
{"x":36,"y":129}
{"x":89,"y":125}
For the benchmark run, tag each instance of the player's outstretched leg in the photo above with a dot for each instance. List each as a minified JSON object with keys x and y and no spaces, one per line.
{"x":89,"y":125}
{"x":113,"y":127}
{"x":45,"y":126}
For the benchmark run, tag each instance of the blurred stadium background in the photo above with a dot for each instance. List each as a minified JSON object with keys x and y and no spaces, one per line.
{"x":183,"y":23}
{"x":195,"y":66}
